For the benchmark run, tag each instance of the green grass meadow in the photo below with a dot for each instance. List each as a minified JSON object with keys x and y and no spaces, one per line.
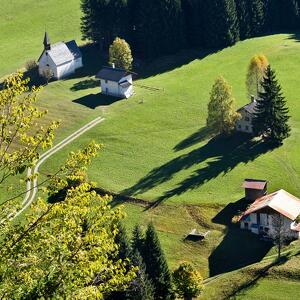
{"x":156,"y":147}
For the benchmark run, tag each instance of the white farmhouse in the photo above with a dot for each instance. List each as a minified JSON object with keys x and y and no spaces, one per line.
{"x":60,"y":59}
{"x":260,"y":217}
{"x":244,"y":124}
{"x":115,"y":82}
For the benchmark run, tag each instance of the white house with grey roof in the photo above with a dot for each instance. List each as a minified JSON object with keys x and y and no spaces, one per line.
{"x":115,"y":82}
{"x":60,"y":59}
{"x":244,"y":124}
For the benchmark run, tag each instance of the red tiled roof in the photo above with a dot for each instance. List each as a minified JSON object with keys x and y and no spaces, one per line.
{"x":254,"y":184}
{"x":280,"y":201}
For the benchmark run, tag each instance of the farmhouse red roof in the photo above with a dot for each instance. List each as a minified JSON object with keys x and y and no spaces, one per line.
{"x":280,"y":201}
{"x":254,"y":184}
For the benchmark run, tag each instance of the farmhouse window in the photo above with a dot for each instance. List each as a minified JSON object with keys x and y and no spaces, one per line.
{"x":105,"y":81}
{"x":247,"y":128}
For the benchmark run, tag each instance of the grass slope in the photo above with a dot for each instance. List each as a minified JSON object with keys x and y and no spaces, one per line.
{"x":23,"y":24}
{"x":155,"y":148}
{"x":155,"y":143}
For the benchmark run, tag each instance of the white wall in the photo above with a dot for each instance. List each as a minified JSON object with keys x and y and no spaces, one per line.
{"x":46,"y":63}
{"x":109,"y":88}
{"x":65,"y":69}
{"x":114,"y":89}
{"x":60,"y":71}
{"x":242,"y":124}
{"x":266,"y":222}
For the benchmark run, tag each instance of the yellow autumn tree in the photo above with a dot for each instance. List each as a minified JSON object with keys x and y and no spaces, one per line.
{"x":63,"y":248}
{"x":256,"y":70}
{"x":120,"y":54}
{"x":222,"y":115}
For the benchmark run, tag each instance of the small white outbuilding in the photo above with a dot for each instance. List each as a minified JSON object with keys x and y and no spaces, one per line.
{"x":115,"y":82}
{"x":59,"y":59}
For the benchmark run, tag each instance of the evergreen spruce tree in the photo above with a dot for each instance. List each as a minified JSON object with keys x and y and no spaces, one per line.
{"x":193,"y":22}
{"x":271,"y":116}
{"x":141,"y":287}
{"x":103,"y":20}
{"x":156,"y":266}
{"x":159,"y":27}
{"x":123,"y":242}
{"x":257,"y":16}
{"x":221,"y":23}
{"x":243,"y":18}
{"x":138,"y":240}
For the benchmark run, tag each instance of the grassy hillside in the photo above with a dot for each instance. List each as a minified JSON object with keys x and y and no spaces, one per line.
{"x":155,"y":148}
{"x":155,"y":143}
{"x":23,"y":24}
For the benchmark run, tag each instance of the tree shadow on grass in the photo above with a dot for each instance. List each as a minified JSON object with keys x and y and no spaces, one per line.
{"x":221,"y":154}
{"x":170,"y":62}
{"x":197,"y":137}
{"x":238,"y":248}
{"x":95,"y":100}
{"x":85,"y":84}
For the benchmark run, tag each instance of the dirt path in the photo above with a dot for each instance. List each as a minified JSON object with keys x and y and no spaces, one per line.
{"x":32,"y":187}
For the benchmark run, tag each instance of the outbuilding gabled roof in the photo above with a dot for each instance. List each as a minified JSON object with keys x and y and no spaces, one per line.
{"x":112,"y":74}
{"x":281,"y":201}
{"x":254,"y":184}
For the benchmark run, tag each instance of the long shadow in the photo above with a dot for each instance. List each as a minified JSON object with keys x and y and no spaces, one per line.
{"x":295,"y":36}
{"x":238,"y":248}
{"x":93,"y":60}
{"x":197,"y":137}
{"x":170,"y":62}
{"x":222,"y":155}
{"x":95,"y":100}
{"x":85,"y":84}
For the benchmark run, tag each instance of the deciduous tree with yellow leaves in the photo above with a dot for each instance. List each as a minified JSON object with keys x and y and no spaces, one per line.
{"x":120,"y":54}
{"x":65,"y":247}
{"x":222,"y":115}
{"x":256,"y":70}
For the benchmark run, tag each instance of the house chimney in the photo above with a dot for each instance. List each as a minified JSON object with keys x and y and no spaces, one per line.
{"x":113,"y":65}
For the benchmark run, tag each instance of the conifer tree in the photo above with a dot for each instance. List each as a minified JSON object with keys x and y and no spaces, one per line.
{"x":138,"y":240}
{"x":141,"y":287}
{"x":222,"y":116}
{"x":103,"y":20}
{"x":271,"y":116}
{"x":122,"y":242}
{"x":159,"y":27}
{"x":221,"y":23}
{"x":156,"y":265}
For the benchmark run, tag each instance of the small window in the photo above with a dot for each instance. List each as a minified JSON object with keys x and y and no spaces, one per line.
{"x":247,"y":119}
{"x":106,"y":81}
{"x":47,"y":65}
{"x":246,"y":225}
{"x":247,"y":128}
{"x":239,"y":126}
{"x":266,"y":229}
{"x":261,"y":228}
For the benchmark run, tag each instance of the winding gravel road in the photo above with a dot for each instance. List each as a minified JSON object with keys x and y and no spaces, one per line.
{"x":32,"y":187}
